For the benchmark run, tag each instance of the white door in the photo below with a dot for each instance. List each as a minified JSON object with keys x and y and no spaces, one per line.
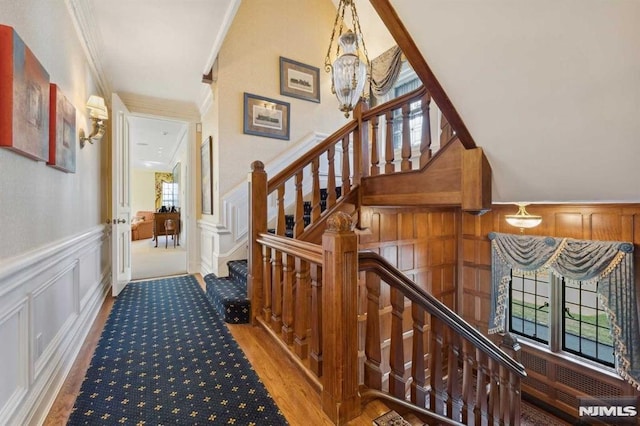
{"x":121,"y":197}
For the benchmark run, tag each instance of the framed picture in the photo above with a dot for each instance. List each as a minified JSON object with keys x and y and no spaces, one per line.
{"x":24,"y":104}
{"x":62,"y":132}
{"x":206,"y":168}
{"x":266,"y":117}
{"x":299,"y":80}
{"x":176,"y":184}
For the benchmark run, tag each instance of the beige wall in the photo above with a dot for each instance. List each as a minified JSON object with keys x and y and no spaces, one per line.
{"x":142,"y":190}
{"x":40,"y":204}
{"x":263,"y":31}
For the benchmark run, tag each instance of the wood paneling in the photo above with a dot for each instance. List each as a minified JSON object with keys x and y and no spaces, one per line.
{"x":422,"y":243}
{"x":608,"y":222}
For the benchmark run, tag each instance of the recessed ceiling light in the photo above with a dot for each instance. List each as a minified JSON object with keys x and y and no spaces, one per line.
{"x":165,"y":133}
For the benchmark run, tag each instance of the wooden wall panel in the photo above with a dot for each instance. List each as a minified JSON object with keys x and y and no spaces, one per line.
{"x":423,"y":244}
{"x":606,"y":222}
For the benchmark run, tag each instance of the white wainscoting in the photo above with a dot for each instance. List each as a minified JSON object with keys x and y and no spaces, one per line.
{"x":225,"y":241}
{"x":48,"y":300}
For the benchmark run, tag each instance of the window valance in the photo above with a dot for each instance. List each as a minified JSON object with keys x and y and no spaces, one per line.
{"x":610,"y":264}
{"x":385,"y":70}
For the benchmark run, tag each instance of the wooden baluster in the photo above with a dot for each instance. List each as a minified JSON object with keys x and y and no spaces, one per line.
{"x":288,"y":277}
{"x":405,"y":164}
{"x":397,"y":383}
{"x":425,"y":140}
{"x":480,"y":406}
{"x":299,"y":216}
{"x":419,"y":382}
{"x":360,"y":145}
{"x":280,"y":219}
{"x":276,"y":290}
{"x":266,"y":262}
{"x":453,"y":376}
{"x":494,"y":391}
{"x":340,"y":396}
{"x":315,"y":192}
{"x":510,"y":345}
{"x":301,"y":321}
{"x":446,"y":131}
{"x":514,"y":386}
{"x":346,"y":172}
{"x":504,"y":397}
{"x":389,"y":151}
{"x":375,"y":169}
{"x":373,"y":349}
{"x":257,"y":225}
{"x":436,"y":365}
{"x":331,"y":178}
{"x":315,"y":359}
{"x":468,"y":366}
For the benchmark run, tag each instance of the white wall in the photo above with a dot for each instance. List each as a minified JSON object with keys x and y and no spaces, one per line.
{"x":54,"y":260}
{"x":550,"y":89}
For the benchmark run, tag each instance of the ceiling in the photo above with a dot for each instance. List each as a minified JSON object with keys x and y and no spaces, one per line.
{"x":161,"y":49}
{"x":158,"y":49}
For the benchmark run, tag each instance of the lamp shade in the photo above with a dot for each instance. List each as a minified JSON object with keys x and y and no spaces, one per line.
{"x":97,"y":107}
{"x":523,"y":219}
{"x":349,"y":74}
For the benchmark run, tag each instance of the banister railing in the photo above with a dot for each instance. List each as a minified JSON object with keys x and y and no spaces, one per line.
{"x":313,"y":303}
{"x":370,"y":261}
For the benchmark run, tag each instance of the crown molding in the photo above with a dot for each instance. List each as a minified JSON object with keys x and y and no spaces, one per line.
{"x":229,"y":14}
{"x":83,"y":17}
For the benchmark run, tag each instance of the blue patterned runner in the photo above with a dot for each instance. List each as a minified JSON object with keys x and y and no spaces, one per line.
{"x":166,"y":358}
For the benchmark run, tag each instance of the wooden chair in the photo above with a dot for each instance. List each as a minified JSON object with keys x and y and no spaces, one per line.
{"x":170,"y":228}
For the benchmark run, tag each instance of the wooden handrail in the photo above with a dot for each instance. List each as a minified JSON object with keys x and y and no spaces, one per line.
{"x":371,"y":394}
{"x":370,"y":261}
{"x":309,"y":252}
{"x":305,"y":159}
{"x":394,"y":103}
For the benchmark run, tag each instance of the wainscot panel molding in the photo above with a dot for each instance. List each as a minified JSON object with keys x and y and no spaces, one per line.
{"x":49,"y":298}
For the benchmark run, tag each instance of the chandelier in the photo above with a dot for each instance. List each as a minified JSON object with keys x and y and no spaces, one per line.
{"x":351,"y":69}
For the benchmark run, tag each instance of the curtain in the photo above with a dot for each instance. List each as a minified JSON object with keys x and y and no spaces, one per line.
{"x":160,"y":178}
{"x":385,"y":70}
{"x":610,"y":264}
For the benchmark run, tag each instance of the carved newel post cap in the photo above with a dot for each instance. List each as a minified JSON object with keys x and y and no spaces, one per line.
{"x":339,"y":222}
{"x":257,"y":166}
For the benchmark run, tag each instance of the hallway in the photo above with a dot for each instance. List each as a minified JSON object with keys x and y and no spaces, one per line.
{"x":149,"y":261}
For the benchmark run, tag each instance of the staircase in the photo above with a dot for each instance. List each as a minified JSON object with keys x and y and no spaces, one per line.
{"x":228,"y":295}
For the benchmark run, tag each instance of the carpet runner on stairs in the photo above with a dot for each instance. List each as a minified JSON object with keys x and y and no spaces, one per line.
{"x":228,"y":295}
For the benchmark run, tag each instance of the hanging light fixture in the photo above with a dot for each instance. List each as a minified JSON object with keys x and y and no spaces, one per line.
{"x":523,"y":219}
{"x":351,"y":69}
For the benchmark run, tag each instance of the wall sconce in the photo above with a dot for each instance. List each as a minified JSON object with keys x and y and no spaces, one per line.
{"x":523,"y":219}
{"x":98,"y":114}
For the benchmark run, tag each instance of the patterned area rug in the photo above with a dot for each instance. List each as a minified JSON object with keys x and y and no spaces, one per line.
{"x":165,"y":358}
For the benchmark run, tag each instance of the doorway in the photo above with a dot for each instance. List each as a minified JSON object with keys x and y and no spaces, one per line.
{"x":159,"y":164}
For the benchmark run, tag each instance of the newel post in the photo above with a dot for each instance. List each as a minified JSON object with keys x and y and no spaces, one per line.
{"x":257,"y":224}
{"x":340,"y":397}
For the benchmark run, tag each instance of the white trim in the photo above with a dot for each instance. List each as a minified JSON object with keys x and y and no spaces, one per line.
{"x":206,"y":100}
{"x":83,"y":17}
{"x":229,"y":15}
{"x":41,"y":277}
